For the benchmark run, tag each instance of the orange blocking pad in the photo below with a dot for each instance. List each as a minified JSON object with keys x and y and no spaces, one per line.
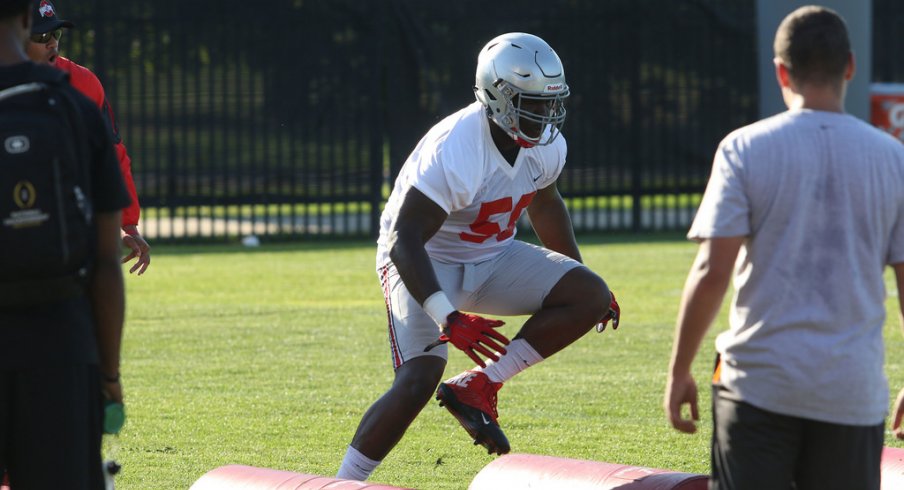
{"x":235,"y":477}
{"x":550,"y":473}
{"x":892,"y":468}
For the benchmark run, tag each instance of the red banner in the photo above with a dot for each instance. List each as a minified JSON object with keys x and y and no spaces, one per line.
{"x":887,"y":108}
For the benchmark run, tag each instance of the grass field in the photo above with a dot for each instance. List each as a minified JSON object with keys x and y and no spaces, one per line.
{"x":268,"y":357}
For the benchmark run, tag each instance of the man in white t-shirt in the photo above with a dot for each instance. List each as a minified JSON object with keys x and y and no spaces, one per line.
{"x":807,"y":207}
{"x":447,"y":246}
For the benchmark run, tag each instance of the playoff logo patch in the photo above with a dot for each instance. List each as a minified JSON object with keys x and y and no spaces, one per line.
{"x":25,"y":195}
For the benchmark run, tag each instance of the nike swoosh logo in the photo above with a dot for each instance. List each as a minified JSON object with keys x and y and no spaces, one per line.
{"x":484,"y":417}
{"x":538,"y":177}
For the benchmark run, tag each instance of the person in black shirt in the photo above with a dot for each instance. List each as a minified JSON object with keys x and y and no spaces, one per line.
{"x":59,"y":360}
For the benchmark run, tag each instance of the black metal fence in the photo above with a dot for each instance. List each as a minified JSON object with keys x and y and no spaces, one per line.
{"x":290,"y":118}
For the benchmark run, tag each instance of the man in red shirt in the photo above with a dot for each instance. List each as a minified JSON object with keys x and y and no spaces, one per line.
{"x":44,"y":48}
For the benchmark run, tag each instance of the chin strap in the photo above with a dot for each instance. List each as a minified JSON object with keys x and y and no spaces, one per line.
{"x":523,"y":143}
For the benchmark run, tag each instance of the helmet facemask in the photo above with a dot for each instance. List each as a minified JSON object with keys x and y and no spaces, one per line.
{"x":525,"y":126}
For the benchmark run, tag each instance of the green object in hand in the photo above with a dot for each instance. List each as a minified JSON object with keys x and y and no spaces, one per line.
{"x":114,"y":417}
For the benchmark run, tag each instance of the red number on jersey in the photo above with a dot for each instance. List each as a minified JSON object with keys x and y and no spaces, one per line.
{"x":484,"y":229}
{"x":516,"y":213}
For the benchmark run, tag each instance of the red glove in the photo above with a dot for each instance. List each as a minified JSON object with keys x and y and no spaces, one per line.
{"x":472,"y":333}
{"x":613,"y":314}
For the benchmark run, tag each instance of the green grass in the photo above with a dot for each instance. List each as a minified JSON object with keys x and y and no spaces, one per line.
{"x":268,"y":357}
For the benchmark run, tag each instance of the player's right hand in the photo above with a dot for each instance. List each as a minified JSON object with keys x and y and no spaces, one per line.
{"x":112,"y":389}
{"x":138,"y":246}
{"x":898,"y":414}
{"x":473,"y":334}
{"x":679,"y":391}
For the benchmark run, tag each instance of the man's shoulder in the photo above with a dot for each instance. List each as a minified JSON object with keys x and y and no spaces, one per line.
{"x":558,"y":147}
{"x":762,"y":131}
{"x":50,"y":76}
{"x":463,"y":121}
{"x":83,"y":79}
{"x":27,"y":72}
{"x":762,"y":126}
{"x":74,"y":69}
{"x":458,"y":132}
{"x":43,"y":72}
{"x":877,"y":137}
{"x":85,"y":109}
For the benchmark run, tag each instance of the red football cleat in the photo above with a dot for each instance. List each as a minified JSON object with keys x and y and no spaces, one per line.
{"x":471,"y":398}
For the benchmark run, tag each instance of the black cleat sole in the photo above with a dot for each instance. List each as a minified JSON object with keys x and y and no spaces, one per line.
{"x":488,"y":435}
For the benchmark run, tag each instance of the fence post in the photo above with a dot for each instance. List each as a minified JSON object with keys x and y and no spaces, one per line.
{"x":636,"y":125}
{"x":100,"y":24}
{"x":378,"y":137}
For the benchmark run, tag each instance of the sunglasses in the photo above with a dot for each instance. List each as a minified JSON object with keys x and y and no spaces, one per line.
{"x":45,"y":37}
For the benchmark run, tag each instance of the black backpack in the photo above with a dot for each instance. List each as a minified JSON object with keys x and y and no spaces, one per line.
{"x":46,"y":232}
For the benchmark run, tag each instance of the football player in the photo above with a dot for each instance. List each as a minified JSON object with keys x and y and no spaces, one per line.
{"x":447,"y":246}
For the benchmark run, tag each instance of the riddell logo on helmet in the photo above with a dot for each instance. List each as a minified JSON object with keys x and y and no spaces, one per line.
{"x":554,"y":88}
{"x":46,"y":9}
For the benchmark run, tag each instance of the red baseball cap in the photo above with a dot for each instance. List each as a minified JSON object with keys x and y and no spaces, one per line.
{"x":46,"y":19}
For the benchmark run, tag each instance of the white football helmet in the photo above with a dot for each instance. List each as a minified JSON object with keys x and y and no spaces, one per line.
{"x":515,"y":68}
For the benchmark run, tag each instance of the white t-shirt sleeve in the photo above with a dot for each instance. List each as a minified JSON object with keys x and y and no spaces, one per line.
{"x":725,"y":208}
{"x":896,"y":250}
{"x":896,"y":244}
{"x":442,"y":177}
{"x":555,"y":163}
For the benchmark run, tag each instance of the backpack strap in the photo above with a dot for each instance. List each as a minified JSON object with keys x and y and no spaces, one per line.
{"x":25,"y":88}
{"x":42,"y":78}
{"x":79,"y":151}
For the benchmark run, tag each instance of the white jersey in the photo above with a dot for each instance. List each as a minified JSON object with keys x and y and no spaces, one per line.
{"x":457,"y":165}
{"x":820,"y":198}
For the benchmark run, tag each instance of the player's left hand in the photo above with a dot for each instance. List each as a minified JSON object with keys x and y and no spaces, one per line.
{"x":614,"y":315}
{"x":133,"y":240}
